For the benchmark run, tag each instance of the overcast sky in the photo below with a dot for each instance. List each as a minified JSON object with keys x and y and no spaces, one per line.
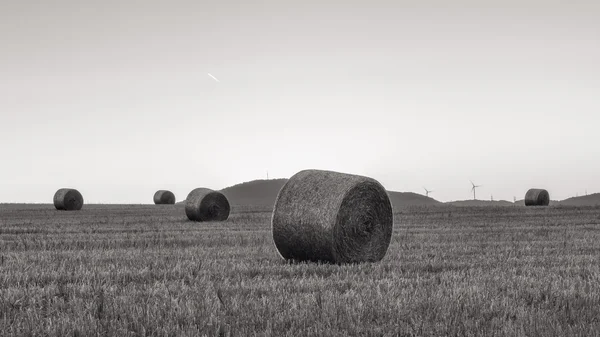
{"x":113,"y":97}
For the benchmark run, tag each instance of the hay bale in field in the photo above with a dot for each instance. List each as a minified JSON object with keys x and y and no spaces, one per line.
{"x":537,"y":197}
{"x":203,"y":204}
{"x":194,"y":191}
{"x":332,"y":217}
{"x":164,"y":197}
{"x":68,"y":199}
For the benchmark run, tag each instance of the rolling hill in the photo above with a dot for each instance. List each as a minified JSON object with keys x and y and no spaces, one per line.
{"x":254,"y":193}
{"x":264,"y":192}
{"x":467,"y":203}
{"x":522,"y":202}
{"x":586,"y":200}
{"x":404,"y":199}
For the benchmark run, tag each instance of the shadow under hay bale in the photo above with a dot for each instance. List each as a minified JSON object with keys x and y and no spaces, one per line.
{"x":203,"y":204}
{"x":68,"y":199}
{"x":332,"y":217}
{"x":537,"y":197}
{"x":163,"y":197}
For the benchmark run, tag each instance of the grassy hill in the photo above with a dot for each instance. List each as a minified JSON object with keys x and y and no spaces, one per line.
{"x":522,"y":202}
{"x":264,"y":192}
{"x":404,"y":199}
{"x":586,"y":200}
{"x":467,"y":203}
{"x":254,"y":193}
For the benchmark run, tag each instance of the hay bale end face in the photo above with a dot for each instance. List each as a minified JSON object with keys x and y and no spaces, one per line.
{"x":537,"y":197}
{"x":203,"y":204}
{"x":332,"y":217}
{"x":68,"y":199}
{"x":163,"y":197}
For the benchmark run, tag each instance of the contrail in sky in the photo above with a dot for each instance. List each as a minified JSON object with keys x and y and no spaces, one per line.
{"x":214,"y":78}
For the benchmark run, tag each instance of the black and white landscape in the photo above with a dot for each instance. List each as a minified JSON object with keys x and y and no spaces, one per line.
{"x":277,"y":168}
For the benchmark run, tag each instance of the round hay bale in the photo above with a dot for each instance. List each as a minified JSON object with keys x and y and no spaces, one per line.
{"x":68,"y":199}
{"x":164,"y":197}
{"x":194,"y":191}
{"x":332,"y":217}
{"x":203,"y":204}
{"x":537,"y":197}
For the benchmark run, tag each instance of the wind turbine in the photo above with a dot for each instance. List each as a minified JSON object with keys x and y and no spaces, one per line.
{"x":473,"y":189}
{"x":427,"y":192}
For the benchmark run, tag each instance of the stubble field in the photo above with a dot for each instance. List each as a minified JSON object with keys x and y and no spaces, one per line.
{"x":121,"y":270}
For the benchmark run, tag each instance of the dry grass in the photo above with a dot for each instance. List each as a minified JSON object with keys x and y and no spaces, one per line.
{"x":142,"y":270}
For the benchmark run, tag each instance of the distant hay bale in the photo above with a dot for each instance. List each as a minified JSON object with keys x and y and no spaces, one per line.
{"x":68,"y":199}
{"x":332,"y":217}
{"x":537,"y":197}
{"x":203,"y":204}
{"x":163,"y":197}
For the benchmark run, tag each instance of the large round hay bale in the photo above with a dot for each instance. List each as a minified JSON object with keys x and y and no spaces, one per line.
{"x":203,"y":204}
{"x":332,"y":217}
{"x":68,"y":199}
{"x":537,"y":197}
{"x":164,"y":197}
{"x":194,"y":191}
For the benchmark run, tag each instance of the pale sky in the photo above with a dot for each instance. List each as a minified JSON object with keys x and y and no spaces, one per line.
{"x":113,"y":97}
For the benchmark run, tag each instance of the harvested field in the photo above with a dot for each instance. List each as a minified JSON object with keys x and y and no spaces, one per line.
{"x":142,"y":270}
